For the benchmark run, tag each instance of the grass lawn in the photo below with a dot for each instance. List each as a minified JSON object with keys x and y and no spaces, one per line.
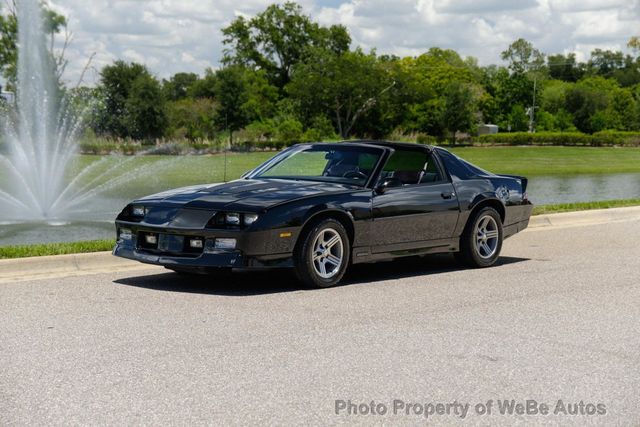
{"x":536,"y":161}
{"x":584,"y":206}
{"x":23,"y":251}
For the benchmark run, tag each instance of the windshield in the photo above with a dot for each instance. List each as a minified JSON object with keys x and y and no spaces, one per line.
{"x":323,"y":162}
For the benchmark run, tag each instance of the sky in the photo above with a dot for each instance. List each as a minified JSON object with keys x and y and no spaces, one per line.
{"x":170,"y":36}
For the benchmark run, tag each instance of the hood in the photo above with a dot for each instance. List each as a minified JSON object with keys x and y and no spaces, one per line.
{"x":250,"y":195}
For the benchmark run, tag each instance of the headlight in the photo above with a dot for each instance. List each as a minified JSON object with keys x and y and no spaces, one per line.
{"x":124,"y":234}
{"x":250,"y":219}
{"x":232,"y":218}
{"x":137,"y":211}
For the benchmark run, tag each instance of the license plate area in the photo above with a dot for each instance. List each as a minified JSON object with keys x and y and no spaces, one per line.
{"x":170,"y":243}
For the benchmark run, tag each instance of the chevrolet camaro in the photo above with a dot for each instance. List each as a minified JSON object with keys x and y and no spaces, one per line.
{"x":320,"y":207}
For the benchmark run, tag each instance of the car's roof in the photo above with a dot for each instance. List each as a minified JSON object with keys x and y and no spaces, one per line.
{"x":381,"y":143}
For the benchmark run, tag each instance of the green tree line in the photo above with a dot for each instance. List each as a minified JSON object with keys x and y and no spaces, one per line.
{"x":285,"y":77}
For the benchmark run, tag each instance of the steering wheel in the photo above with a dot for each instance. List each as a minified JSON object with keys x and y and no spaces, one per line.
{"x":354,"y":174}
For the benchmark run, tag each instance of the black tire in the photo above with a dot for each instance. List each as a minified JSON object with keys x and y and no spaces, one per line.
{"x":308,"y":263}
{"x":472,"y":251}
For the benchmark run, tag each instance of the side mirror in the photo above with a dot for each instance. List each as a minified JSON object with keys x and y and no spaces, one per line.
{"x":387,"y":183}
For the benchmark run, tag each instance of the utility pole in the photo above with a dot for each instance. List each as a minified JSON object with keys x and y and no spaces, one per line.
{"x":532,"y":110}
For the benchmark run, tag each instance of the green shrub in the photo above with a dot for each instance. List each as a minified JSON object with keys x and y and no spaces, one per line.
{"x":598,"y":139}
{"x":423,"y":138}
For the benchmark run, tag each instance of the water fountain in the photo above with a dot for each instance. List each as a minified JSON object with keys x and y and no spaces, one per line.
{"x":40,"y":132}
{"x":43,"y":197}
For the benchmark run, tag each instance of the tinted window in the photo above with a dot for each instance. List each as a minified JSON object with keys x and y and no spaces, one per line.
{"x":458,"y":167}
{"x":323,"y":162}
{"x":411,"y":167}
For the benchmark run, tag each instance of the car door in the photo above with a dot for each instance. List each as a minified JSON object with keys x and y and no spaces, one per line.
{"x":421,"y":211}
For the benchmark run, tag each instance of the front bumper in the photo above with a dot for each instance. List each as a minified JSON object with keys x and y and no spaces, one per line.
{"x":222,"y":259}
{"x":263,"y":248}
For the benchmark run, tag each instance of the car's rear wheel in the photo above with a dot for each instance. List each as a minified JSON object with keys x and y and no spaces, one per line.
{"x":481,"y":240}
{"x":322,"y":255}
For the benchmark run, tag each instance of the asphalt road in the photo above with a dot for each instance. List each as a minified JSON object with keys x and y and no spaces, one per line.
{"x":557,"y":319}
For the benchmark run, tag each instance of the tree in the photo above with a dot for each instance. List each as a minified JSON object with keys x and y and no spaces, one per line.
{"x":565,"y":67}
{"x":8,"y":47}
{"x":459,"y":109}
{"x":231,"y":94}
{"x":133,"y":102}
{"x":179,"y":86}
{"x":53,"y":23}
{"x":277,"y":39}
{"x":605,"y":62}
{"x":634,"y":44}
{"x":191,"y":118}
{"x":427,"y":81}
{"x":204,"y":87}
{"x":517,"y":119}
{"x":522,"y":57}
{"x":588,"y":97}
{"x":262,"y":96}
{"x":343,"y":86}
{"x":145,"y":116}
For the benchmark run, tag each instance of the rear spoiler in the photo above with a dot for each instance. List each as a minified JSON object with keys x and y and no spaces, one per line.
{"x":524,"y":181}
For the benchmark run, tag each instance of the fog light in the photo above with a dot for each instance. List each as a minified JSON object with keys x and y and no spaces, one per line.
{"x":225,"y":244}
{"x":196,"y":243}
{"x":151,"y":239}
{"x":124,"y":234}
{"x":138,"y":211}
{"x":232,"y":218}
{"x":250,"y":218}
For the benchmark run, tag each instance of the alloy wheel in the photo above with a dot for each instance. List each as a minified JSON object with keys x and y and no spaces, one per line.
{"x":328,"y":253}
{"x":487,"y":237}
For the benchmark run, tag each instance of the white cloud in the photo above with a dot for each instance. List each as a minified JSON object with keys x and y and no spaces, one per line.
{"x":171,"y":36}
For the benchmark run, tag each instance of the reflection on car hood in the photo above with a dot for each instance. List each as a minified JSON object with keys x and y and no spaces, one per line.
{"x":243,"y":194}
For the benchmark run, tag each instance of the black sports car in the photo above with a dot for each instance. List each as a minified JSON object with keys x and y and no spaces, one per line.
{"x":319,"y":207}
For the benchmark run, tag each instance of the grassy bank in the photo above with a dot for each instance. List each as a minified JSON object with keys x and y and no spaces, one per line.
{"x":585,"y":206}
{"x":106,"y":245}
{"x":24,"y":251}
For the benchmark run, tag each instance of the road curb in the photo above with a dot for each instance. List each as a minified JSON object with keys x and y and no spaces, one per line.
{"x":21,"y":269}
{"x":596,"y":216}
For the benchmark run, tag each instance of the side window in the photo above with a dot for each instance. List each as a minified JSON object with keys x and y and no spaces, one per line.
{"x":410,"y":167}
{"x":431,"y":172}
{"x":453,"y":165}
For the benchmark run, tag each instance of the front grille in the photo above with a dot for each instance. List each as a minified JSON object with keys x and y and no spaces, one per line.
{"x":168,"y":244}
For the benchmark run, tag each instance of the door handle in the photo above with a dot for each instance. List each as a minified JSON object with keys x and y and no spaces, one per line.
{"x":446,"y":194}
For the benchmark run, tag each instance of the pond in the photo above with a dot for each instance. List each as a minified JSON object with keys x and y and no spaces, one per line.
{"x":97,"y":221}
{"x":549,"y":190}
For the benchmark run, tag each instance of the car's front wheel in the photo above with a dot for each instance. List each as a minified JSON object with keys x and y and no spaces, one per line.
{"x":481,"y":240}
{"x":322,"y":255}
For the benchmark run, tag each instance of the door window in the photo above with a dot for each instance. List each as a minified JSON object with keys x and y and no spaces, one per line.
{"x":409,"y":167}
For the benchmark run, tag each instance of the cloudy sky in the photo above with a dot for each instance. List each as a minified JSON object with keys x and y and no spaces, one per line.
{"x":184,"y":35}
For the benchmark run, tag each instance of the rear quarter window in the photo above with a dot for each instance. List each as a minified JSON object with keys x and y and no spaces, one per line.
{"x":458,"y":167}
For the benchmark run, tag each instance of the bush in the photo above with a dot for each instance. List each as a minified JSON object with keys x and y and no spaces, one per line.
{"x":426,"y":139}
{"x":598,"y":139}
{"x":289,"y":131}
